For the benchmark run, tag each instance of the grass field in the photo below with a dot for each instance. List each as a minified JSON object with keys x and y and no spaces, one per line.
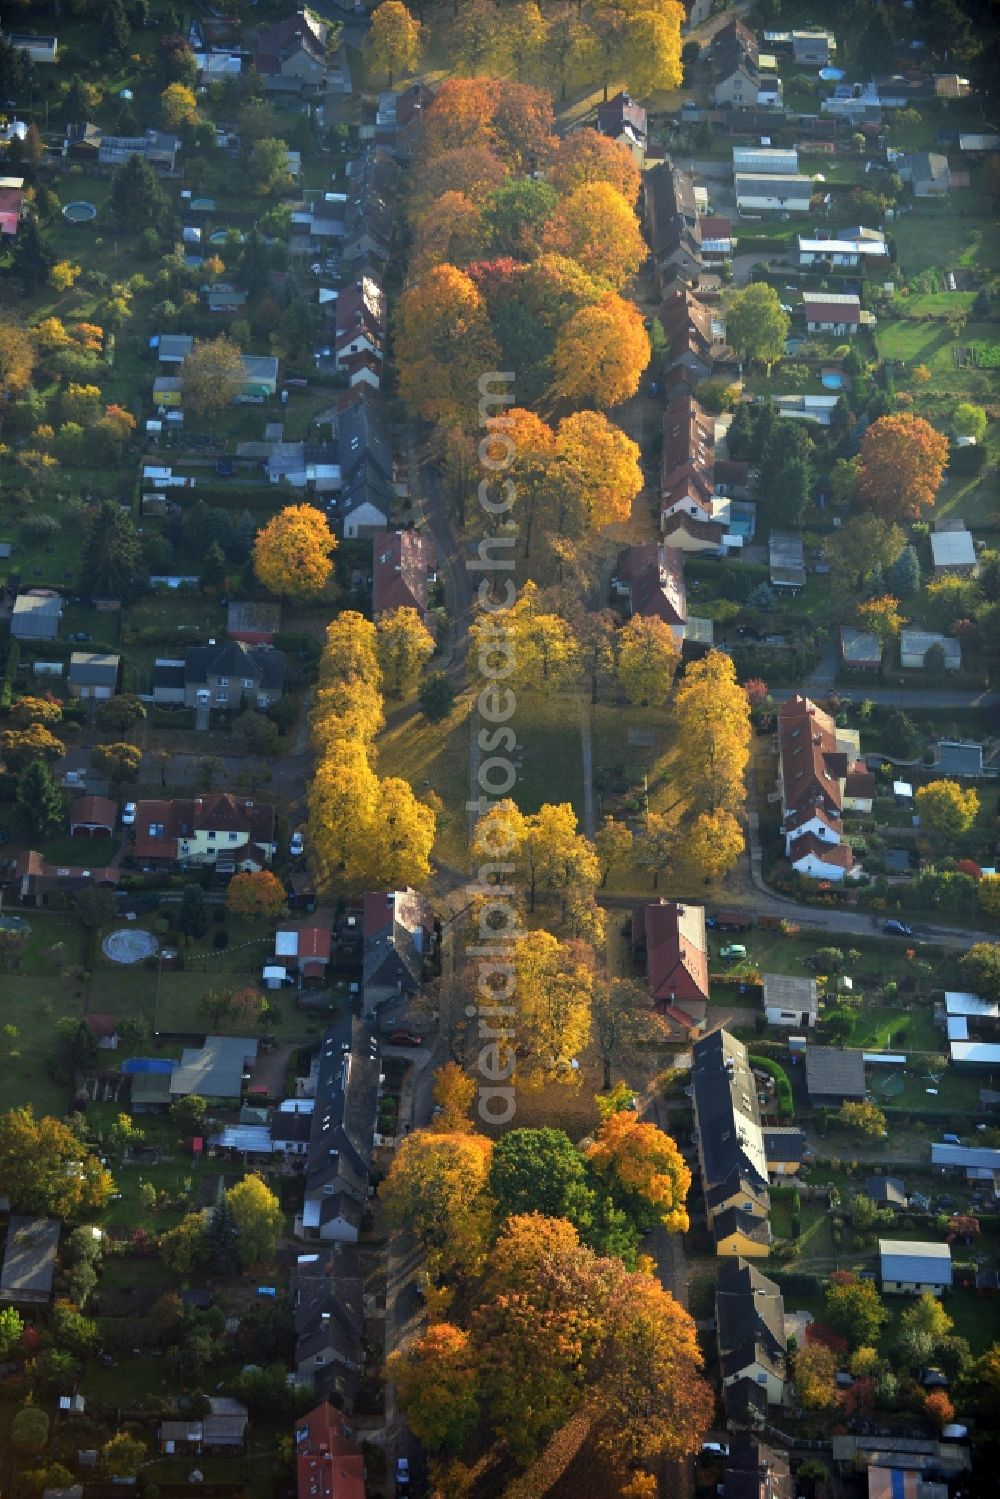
{"x":948,"y":236}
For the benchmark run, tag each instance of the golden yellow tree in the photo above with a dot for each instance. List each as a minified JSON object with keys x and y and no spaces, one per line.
{"x":443,"y":345}
{"x":552,"y":990}
{"x":947,"y":810}
{"x":648,"y":657}
{"x":587,"y":156}
{"x":393,"y":41}
{"x":437,"y":1379}
{"x":643,"y":1170}
{"x":712,"y":737}
{"x":436,"y":1189}
{"x":454,"y":1091}
{"x":291,"y":556}
{"x":540,"y":647}
{"x":349,"y":709}
{"x":343,"y":795}
{"x":596,"y":473}
{"x":350,"y":650}
{"x":404,"y":646}
{"x":178,"y":106}
{"x":712,"y":844}
{"x":651,"y":48}
{"x":212,"y":375}
{"x":600,"y":353}
{"x":595,"y":226}
{"x":394,"y":849}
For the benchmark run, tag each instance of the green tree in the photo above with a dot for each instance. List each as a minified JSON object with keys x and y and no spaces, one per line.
{"x":11,"y":1328}
{"x":189,"y":1113}
{"x":112,"y":555}
{"x":212,"y":375}
{"x":981,"y":969}
{"x":32,"y":259}
{"x":969,"y":420}
{"x":71,"y":1330}
{"x":192,"y":917}
{"x":75,"y":1048}
{"x":123,"y":1455}
{"x":541,"y":1171}
{"x":29,"y":1430}
{"x":436,"y":697}
{"x":269,"y":166}
{"x":854,"y":1309}
{"x":119,"y":713}
{"x":222,"y":1239}
{"x":920,"y":1328}
{"x":119,"y":762}
{"x":38,"y":801}
{"x":756,"y":327}
{"x":903,"y":575}
{"x":115,"y":29}
{"x":137,"y":199}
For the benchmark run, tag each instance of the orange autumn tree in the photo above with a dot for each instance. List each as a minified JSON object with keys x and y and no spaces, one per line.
{"x":443,"y":345}
{"x":472,"y":171}
{"x":939,"y":1408}
{"x":454,"y":1091}
{"x":644,"y":1172}
{"x":600,"y":353}
{"x":587,"y":156}
{"x":902,"y":462}
{"x":291,"y":556}
{"x":451,"y":229}
{"x":436,"y":1189}
{"x":460,"y":114}
{"x":596,"y":227}
{"x":256,"y":894}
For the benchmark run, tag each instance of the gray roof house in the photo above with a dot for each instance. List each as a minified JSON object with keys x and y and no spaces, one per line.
{"x":914,"y":645}
{"x":750,"y":1327}
{"x":328,"y":1309}
{"x":342,"y":1138}
{"x":29,"y":1261}
{"x":914,"y":1265}
{"x":833,"y":1074}
{"x":36,"y":615}
{"x":93,"y":674}
{"x":887,"y":1191}
{"x":398,"y":932}
{"x":790,"y":1000}
{"x":230,"y":675}
{"x":214,"y":1070}
{"x":928,"y":173}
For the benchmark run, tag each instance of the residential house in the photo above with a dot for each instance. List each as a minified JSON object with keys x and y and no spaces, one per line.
{"x":672,"y":936}
{"x":363,"y":445}
{"x":831,"y":312}
{"x":859,"y":649}
{"x":291,"y":57}
{"x":172,"y":348}
{"x":755,"y":1471}
{"x":750,"y":1328}
{"x":760,"y":192}
{"x":813,"y":47}
{"x":695,"y":339}
{"x":917,"y":1266}
{"x":179,"y":1438}
{"x":290,"y":1131}
{"x":93,"y":817}
{"x":304,"y":950}
{"x":842,"y":250}
{"x":261,"y":376}
{"x":806,"y":407}
{"x":327,"y":1298}
{"x":225,"y":301}
{"x":156,"y":148}
{"x":954,"y":552}
{"x":717,"y":242}
{"x":887,"y":1191}
{"x":790,"y":1000}
{"x":980,"y":1164}
{"x":398,"y":120}
{"x":11,"y":201}
{"x":224,"y":1428}
{"x":914,"y":645}
{"x":29,"y":1261}
{"x":369,"y":220}
{"x":253,"y":622}
{"x":220,"y":829}
{"x":360,"y":324}
{"x":834,"y":1075}
{"x":624,"y":121}
{"x":928,"y":173}
{"x":403,"y":568}
{"x":342,"y":1138}
{"x":731,"y":1153}
{"x":365,"y":504}
{"x":32,"y":879}
{"x":651,"y":578}
{"x":961,"y":757}
{"x":734,"y":57}
{"x":93,"y":674}
{"x":398,"y":939}
{"x":672,"y":224}
{"x":329,"y":1464}
{"x":860,"y":788}
{"x":687,"y":465}
{"x":230,"y":675}
{"x":105,"y":1031}
{"x":36,"y":615}
{"x":814,"y":759}
{"x":784,"y":1149}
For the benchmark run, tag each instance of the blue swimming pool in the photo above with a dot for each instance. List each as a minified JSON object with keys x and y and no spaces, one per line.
{"x":832,"y":380}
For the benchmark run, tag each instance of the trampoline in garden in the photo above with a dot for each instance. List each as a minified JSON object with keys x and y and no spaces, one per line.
{"x":79,"y":213}
{"x":14,"y":924}
{"x":126,"y":946}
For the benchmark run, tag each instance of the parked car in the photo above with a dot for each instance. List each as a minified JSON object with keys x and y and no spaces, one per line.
{"x":897,"y":929}
{"x":715,"y":1449}
{"x":404,"y":1038}
{"x":402,"y":1475}
{"x":733,"y":950}
{"x":297,"y":845}
{"x":129,"y":814}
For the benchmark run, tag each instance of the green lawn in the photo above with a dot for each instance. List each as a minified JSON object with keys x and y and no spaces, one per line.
{"x":935,"y":237}
{"x":96,"y":853}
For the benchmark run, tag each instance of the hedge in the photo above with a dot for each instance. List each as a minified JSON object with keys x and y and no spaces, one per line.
{"x":10,"y":672}
{"x":782,"y":1084}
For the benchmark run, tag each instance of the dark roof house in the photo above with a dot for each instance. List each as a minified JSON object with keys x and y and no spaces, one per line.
{"x":29,"y":1261}
{"x":404,"y":566}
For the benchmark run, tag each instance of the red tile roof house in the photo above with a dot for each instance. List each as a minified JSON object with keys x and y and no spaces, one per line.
{"x":676,"y":947}
{"x":328,"y":1464}
{"x":813,"y":773}
{"x":30,"y":879}
{"x":93,"y":817}
{"x":219,"y":829}
{"x":305,"y":950}
{"x":403,"y":570}
{"x":651,"y":576}
{"x":831,"y":312}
